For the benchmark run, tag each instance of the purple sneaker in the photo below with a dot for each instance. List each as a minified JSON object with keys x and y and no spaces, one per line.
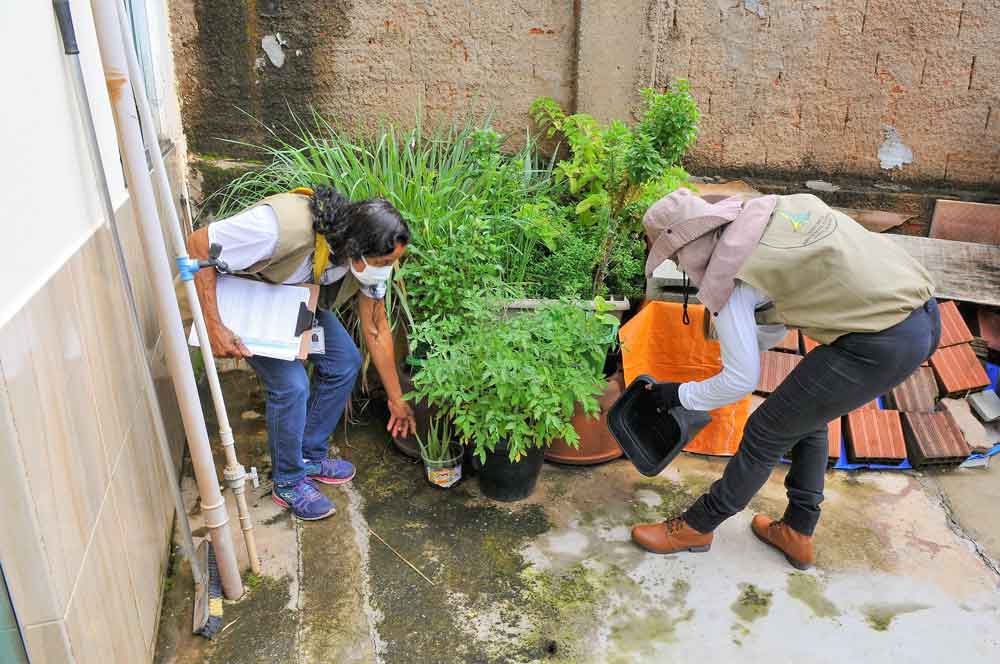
{"x":330,"y":471}
{"x":305,"y":501}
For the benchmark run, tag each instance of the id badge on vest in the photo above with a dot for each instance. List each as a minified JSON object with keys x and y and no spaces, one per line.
{"x":317,"y":340}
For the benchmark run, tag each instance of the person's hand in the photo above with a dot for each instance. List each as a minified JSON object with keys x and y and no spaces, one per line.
{"x":225,"y":343}
{"x":401,"y":420}
{"x":667,"y":394}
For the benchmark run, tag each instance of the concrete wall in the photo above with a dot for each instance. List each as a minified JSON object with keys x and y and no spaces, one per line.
{"x":907,"y":90}
{"x":84,"y":533}
{"x":359,"y":62}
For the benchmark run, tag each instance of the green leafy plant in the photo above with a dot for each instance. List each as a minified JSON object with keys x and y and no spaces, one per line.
{"x":516,"y":379}
{"x":615,"y":172}
{"x":437,"y":444}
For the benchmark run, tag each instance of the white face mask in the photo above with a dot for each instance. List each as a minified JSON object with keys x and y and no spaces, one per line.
{"x":371,"y":276}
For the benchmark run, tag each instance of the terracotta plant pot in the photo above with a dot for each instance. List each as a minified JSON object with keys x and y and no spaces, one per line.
{"x":597,"y":445}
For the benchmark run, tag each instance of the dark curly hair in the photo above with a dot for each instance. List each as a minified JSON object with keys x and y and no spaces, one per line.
{"x":372,"y":227}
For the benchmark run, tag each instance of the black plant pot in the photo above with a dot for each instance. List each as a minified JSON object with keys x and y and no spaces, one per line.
{"x":506,"y":480}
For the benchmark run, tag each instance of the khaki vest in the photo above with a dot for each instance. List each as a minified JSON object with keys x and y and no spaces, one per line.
{"x":829,"y":276}
{"x":296,"y":241}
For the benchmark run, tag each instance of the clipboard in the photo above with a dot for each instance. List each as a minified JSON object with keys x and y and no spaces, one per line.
{"x":307,"y":314}
{"x":272,"y":320}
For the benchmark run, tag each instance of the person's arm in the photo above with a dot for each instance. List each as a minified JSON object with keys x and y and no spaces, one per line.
{"x":737,"y":330}
{"x":224,"y":342}
{"x":378,"y":338}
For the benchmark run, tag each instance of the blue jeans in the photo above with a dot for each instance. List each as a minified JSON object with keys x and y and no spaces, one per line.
{"x":300,"y":420}
{"x":829,"y":382}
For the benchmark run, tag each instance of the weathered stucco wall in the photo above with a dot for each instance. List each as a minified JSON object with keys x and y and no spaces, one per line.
{"x":838,"y":86}
{"x":907,"y":89}
{"x":358,"y":62}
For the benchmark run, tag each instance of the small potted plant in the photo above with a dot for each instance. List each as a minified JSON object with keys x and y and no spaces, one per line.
{"x":442,"y":456}
{"x":510,"y":387}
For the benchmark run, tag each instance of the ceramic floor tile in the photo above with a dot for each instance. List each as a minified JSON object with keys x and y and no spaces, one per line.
{"x":103,"y":620}
{"x":954,"y":331}
{"x":958,"y":370}
{"x":918,"y":393}
{"x":875,"y":436}
{"x":934,"y":438}
{"x":774,"y":368}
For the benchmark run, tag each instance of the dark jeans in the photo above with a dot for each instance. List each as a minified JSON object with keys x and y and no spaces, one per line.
{"x":301,"y":418}
{"x":831,"y":381}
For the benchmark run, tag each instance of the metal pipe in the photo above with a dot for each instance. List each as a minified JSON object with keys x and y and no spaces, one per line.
{"x":68,"y":32}
{"x":179,"y":361}
{"x":233,"y":474}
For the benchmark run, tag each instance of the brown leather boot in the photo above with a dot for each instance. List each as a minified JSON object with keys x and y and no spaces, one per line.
{"x":671,"y":537}
{"x":798,"y":548}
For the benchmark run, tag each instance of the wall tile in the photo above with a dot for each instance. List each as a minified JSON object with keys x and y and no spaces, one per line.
{"x":65,"y":500}
{"x":139,"y":491}
{"x":105,"y":354}
{"x":115,"y":328}
{"x":103,"y":619}
{"x":30,"y":576}
{"x":48,"y":643}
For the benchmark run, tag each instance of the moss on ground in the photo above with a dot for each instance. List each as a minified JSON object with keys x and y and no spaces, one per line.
{"x":753,"y":603}
{"x":808,"y":589}
{"x":880,"y":616}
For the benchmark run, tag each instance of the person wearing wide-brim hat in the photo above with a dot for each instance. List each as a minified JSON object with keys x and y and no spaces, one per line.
{"x":761,"y":266}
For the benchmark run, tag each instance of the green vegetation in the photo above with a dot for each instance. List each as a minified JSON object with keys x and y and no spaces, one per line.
{"x":489,"y":226}
{"x":516,"y":379}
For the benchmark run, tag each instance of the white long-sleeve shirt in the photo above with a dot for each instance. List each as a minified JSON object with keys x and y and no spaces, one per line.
{"x":742,"y":341}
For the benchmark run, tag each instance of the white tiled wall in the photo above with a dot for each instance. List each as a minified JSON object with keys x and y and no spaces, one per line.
{"x":85,"y":528}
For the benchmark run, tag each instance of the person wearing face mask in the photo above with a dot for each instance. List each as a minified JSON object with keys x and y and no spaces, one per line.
{"x":348,"y":249}
{"x":763,"y":265}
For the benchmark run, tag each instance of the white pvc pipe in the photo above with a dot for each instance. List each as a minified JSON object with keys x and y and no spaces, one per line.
{"x":234,"y":474}
{"x":179,"y":361}
{"x":183,"y":524}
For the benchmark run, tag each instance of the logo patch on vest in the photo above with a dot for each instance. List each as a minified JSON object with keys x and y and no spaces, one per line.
{"x":797,"y":219}
{"x":801,"y":230}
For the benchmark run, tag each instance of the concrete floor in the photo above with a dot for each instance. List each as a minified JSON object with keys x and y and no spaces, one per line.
{"x":907,"y":569}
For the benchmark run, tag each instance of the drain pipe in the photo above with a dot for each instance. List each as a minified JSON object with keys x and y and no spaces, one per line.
{"x":233,"y":474}
{"x":179,"y":361}
{"x":68,"y":33}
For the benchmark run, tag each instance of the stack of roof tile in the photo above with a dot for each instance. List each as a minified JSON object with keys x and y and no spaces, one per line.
{"x":956,"y":366}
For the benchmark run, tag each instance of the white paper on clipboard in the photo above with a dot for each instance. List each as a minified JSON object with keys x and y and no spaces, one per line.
{"x":262,"y":315}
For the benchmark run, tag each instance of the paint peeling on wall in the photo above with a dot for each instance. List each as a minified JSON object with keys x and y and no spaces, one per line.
{"x":893,"y":153}
{"x":755,"y":7}
{"x":273,"y":46}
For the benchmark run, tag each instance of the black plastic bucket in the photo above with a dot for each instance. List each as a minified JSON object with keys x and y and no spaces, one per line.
{"x":506,"y":480}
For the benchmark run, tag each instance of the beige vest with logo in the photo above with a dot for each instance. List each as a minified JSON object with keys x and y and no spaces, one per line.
{"x":829,"y":276}
{"x":296,"y":241}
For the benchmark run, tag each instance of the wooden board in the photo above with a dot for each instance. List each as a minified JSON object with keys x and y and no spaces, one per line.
{"x":961,"y":270}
